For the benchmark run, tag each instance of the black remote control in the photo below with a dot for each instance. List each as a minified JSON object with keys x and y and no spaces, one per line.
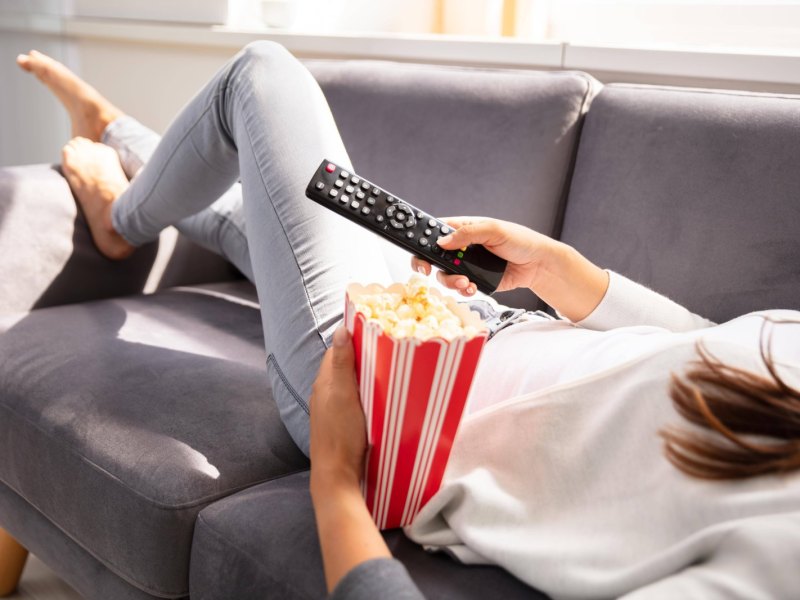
{"x":412,"y":229}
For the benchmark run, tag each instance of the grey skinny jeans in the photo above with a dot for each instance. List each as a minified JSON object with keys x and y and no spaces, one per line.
{"x":261,"y":120}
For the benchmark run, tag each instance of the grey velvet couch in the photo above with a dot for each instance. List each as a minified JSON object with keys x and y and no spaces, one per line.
{"x":141,"y":453}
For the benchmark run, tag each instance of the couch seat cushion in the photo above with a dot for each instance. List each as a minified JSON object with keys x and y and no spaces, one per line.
{"x":121,"y":419}
{"x":262,"y":543}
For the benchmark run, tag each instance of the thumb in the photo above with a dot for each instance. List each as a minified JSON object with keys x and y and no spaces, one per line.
{"x":481,"y":232}
{"x":343,"y":353}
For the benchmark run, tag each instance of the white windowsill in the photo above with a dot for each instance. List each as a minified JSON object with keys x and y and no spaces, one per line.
{"x":781,"y":67}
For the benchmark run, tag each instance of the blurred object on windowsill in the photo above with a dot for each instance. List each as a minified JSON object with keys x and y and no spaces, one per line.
{"x":282,"y":14}
{"x":337,"y":16}
{"x":212,"y":12}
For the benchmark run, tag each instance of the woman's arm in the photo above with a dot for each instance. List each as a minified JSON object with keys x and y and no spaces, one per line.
{"x":575,"y":287}
{"x":554,"y":271}
{"x":348,"y":536}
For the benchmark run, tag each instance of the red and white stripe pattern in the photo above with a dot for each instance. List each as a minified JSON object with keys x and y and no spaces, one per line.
{"x":413,"y":393}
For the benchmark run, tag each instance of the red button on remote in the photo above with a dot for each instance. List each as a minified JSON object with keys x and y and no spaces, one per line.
{"x":330,"y":168}
{"x":456,"y":262}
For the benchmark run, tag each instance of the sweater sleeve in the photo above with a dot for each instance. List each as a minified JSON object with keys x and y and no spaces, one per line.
{"x":627,"y":303}
{"x":377,"y":578}
{"x":752,"y":562}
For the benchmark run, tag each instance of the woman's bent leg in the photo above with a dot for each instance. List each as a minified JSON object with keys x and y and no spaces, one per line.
{"x":219,"y":228}
{"x":264,"y":119}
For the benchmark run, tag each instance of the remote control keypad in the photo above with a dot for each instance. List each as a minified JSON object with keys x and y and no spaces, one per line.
{"x":400,"y":216}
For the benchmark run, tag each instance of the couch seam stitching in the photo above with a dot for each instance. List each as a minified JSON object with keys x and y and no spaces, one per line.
{"x":224,"y":539}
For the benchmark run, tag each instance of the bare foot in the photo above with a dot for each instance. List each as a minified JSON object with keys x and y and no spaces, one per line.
{"x":89,"y":112}
{"x":97,"y":179}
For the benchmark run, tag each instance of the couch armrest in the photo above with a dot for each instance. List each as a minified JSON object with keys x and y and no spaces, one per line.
{"x":47,"y":256}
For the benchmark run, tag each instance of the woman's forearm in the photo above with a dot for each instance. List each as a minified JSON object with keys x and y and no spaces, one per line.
{"x":570,"y":283}
{"x":348,"y":535}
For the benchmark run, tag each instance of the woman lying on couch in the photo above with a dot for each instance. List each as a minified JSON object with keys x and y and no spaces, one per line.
{"x":629,"y":448}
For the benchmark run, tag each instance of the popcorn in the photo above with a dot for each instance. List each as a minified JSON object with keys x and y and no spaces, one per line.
{"x":415,"y":310}
{"x":416,"y":355}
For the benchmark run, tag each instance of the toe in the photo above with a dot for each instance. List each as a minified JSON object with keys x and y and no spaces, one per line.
{"x":24,"y":61}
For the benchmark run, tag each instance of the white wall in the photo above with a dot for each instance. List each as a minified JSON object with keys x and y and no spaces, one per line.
{"x":150,"y":82}
{"x":32,"y":126}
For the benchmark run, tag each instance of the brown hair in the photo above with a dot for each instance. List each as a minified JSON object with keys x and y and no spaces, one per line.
{"x":731,"y":404}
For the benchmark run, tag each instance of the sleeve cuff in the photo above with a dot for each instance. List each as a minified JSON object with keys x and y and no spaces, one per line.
{"x":627,"y":304}
{"x":377,"y":578}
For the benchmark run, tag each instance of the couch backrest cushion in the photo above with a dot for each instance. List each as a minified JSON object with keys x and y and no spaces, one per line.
{"x":694,"y":193}
{"x":459,"y":141}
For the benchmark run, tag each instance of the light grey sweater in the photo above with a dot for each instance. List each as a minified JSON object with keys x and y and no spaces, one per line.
{"x":558,"y":474}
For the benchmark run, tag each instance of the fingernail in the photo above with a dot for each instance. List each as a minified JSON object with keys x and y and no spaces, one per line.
{"x":461,"y":283}
{"x":340,"y":336}
{"x":420,"y":269}
{"x":470,"y":290}
{"x":445,"y":239}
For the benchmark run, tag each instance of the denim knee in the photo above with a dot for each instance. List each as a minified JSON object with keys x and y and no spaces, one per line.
{"x":263,"y":54}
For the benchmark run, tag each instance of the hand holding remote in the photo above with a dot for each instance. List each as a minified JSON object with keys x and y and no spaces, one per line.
{"x":554,"y":271}
{"x":524,"y":249}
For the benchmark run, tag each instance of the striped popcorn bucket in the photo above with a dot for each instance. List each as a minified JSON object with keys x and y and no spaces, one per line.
{"x":413,"y":393}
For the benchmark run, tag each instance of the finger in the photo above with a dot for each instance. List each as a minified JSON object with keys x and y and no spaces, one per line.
{"x":343,"y":359}
{"x":420,"y":266}
{"x":480,"y":232}
{"x":456,"y":222}
{"x":454,"y":282}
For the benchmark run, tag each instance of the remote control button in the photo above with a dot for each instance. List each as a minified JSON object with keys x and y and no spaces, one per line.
{"x":428,"y":232}
{"x":390,"y":210}
{"x":395,"y":224}
{"x":391,"y":199}
{"x":410,"y":222}
{"x":410,"y":235}
{"x":445,"y":229}
{"x":366,"y":210}
{"x":435,"y":249}
{"x":420,"y":214}
{"x":355,"y":180}
{"x":401,"y":216}
{"x":431,"y":222}
{"x":344,"y":175}
{"x":319,"y":185}
{"x":360,"y":195}
{"x":338,"y":183}
{"x":375,"y":192}
{"x":355,"y":204}
{"x":460,"y":255}
{"x":379,"y":218}
{"x":456,"y":262}
{"x":349,"y":189}
{"x":344,"y":199}
{"x":330,"y":168}
{"x":333,"y":193}
{"x":371,"y":201}
{"x":423,"y":241}
{"x":365,"y":186}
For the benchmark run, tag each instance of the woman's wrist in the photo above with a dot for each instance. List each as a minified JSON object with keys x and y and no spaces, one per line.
{"x":569,"y":282}
{"x":332,"y":479}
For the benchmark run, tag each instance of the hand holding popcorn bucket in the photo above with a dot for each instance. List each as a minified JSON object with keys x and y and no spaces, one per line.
{"x":416,"y":354}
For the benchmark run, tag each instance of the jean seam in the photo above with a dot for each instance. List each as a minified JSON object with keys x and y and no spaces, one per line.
{"x":227,"y":222}
{"x":297,"y":397}
{"x":286,"y":236}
